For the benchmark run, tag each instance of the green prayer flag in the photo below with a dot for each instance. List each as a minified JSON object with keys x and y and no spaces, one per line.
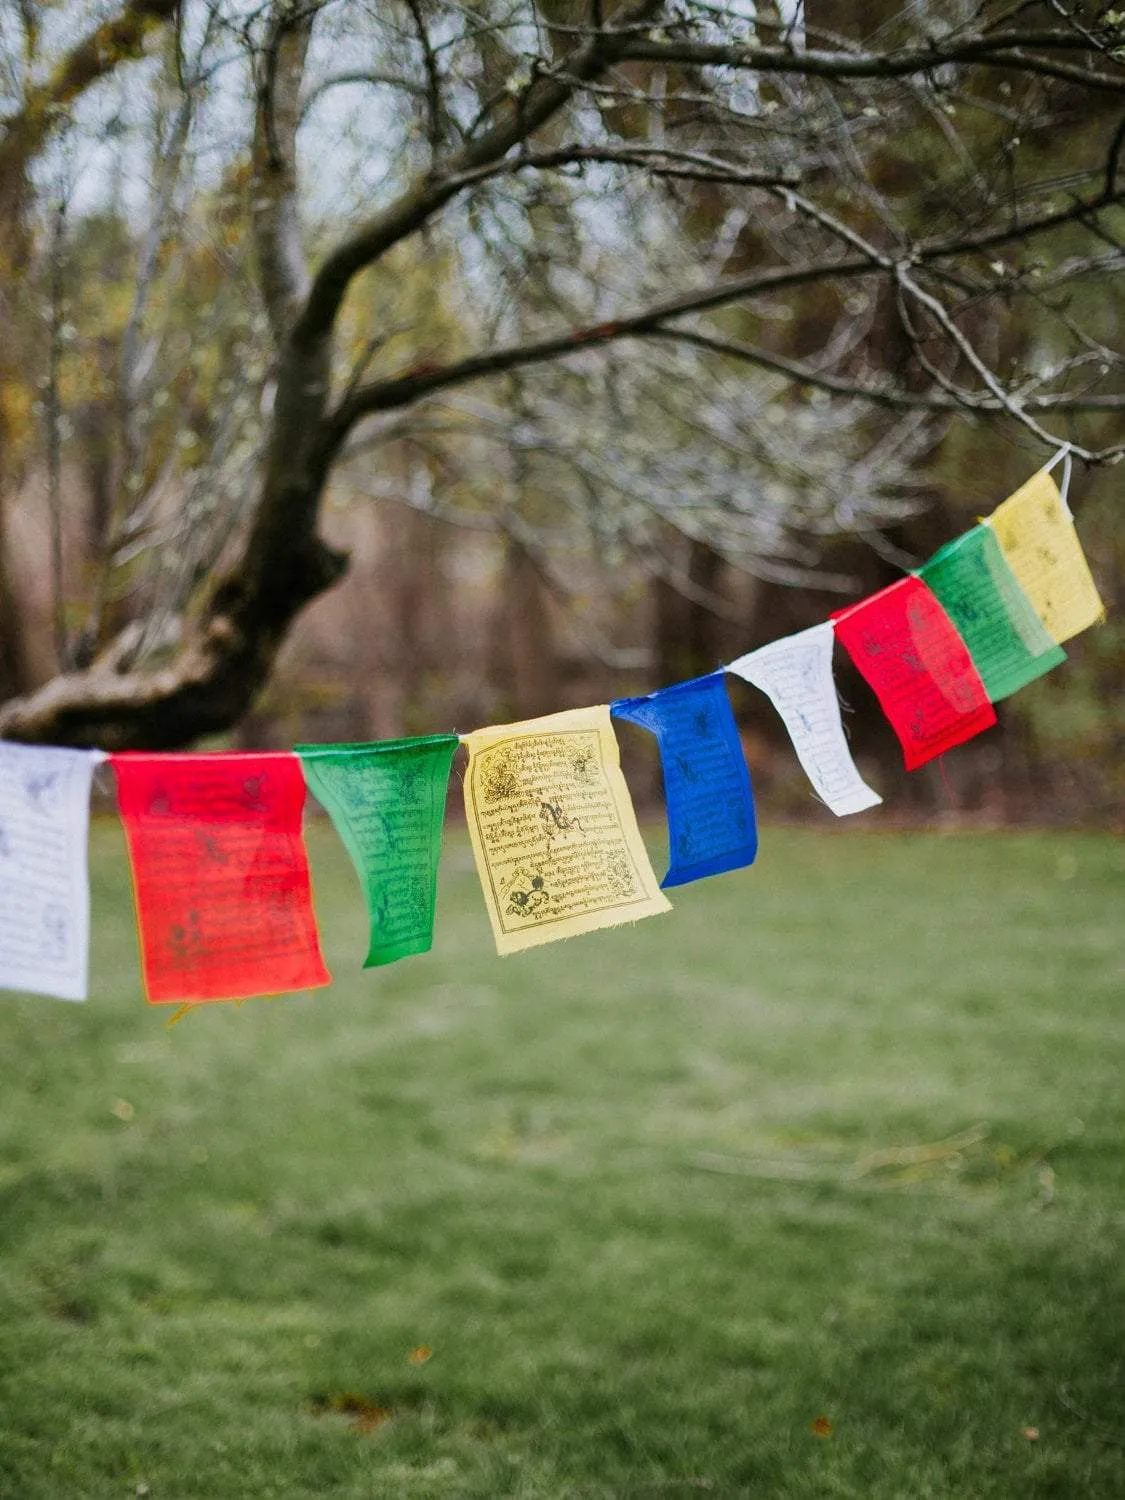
{"x":982,"y":596}
{"x":387,"y":801}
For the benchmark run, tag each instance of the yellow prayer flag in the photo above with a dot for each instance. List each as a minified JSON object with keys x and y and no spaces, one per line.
{"x":1041,"y":546}
{"x":554,"y":834}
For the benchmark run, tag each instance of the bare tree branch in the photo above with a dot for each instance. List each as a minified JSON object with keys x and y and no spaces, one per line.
{"x":283,"y":274}
{"x":889,"y":396}
{"x":412,"y":385}
{"x":1010,"y":405}
{"x":665,"y":161}
{"x":98,"y":53}
{"x":52,"y":413}
{"x":402,"y":390}
{"x":374,"y":77}
{"x":1113,"y":160}
{"x":171,"y":154}
{"x":1007,"y":50}
{"x":434,"y":108}
{"x":544,"y":96}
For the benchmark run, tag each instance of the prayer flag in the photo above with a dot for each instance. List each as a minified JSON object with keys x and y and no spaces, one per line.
{"x":796,"y":675}
{"x":554,"y":834}
{"x":220,"y":874}
{"x":908,"y":649}
{"x":982,"y":596}
{"x":44,"y":869}
{"x":707,"y":793}
{"x":387,"y":801}
{"x":1041,"y":546}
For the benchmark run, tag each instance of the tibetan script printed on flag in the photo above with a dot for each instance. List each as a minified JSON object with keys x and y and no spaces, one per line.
{"x":796,"y":675}
{"x":907,"y":648}
{"x":44,"y":876}
{"x":710,"y":805}
{"x":220,"y":874}
{"x":979,"y":592}
{"x":387,"y":801}
{"x":1041,"y":547}
{"x":554,"y":834}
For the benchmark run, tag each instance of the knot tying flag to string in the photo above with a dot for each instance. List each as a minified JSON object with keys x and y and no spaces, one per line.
{"x":1041,"y":546}
{"x":1065,"y":456}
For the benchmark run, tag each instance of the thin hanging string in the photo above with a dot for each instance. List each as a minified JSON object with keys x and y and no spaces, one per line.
{"x":1064,"y":489}
{"x":1066,"y":454}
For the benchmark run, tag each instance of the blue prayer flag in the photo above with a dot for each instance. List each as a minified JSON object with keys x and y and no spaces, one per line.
{"x":707,"y":793}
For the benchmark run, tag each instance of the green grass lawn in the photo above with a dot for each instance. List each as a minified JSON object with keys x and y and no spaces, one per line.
{"x":841,"y":1139}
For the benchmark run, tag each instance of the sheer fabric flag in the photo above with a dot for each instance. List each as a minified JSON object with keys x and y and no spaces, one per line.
{"x":796,"y":675}
{"x":554,"y":834}
{"x":220,"y":875}
{"x":907,"y":648}
{"x":707,"y":792}
{"x":1041,"y":547}
{"x":44,"y":869}
{"x":981,"y":595}
{"x":387,"y":801}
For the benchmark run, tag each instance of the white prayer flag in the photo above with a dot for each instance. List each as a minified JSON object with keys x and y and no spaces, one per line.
{"x":795,"y":673}
{"x":44,"y":875}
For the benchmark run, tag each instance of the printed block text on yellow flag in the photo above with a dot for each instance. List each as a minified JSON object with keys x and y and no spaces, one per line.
{"x":554,"y":834}
{"x":1041,"y":546}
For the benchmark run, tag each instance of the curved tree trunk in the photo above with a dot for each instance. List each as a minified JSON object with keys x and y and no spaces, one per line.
{"x":15,"y":664}
{"x":230,"y":643}
{"x":283,"y":563}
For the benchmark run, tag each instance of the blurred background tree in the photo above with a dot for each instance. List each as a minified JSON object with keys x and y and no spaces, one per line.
{"x":374,"y":367}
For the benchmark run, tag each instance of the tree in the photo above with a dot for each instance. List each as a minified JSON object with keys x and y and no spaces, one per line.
{"x":745,"y":200}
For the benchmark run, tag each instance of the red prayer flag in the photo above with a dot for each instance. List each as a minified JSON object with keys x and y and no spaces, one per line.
{"x":909,"y":650}
{"x":220,"y":874}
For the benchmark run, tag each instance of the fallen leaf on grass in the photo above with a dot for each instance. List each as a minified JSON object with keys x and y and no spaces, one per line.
{"x":821,"y":1427}
{"x":1046,"y":1188}
{"x":925,"y":1158}
{"x":364,"y":1415}
{"x":420,"y":1355}
{"x":744,"y":1166}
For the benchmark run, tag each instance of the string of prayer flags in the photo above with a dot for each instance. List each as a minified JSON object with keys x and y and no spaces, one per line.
{"x":44,"y":869}
{"x":387,"y":801}
{"x":919,"y":668}
{"x":1041,"y":546}
{"x":707,"y":793}
{"x":981,"y":595}
{"x":553,"y":830}
{"x":220,"y":874}
{"x":796,"y":675}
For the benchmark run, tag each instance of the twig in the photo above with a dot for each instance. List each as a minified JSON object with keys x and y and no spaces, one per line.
{"x":53,"y":417}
